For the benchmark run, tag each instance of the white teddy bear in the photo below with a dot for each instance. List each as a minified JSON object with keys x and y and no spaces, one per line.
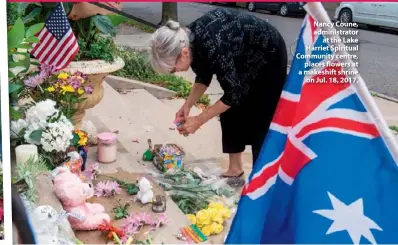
{"x":145,"y":193}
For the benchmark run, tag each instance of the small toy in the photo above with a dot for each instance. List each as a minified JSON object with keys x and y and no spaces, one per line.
{"x":74,"y":163}
{"x":148,"y":154}
{"x":73,"y":193}
{"x":145,"y":193}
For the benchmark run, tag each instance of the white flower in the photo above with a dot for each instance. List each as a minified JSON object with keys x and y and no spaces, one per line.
{"x":57,"y":135}
{"x":17,"y":127}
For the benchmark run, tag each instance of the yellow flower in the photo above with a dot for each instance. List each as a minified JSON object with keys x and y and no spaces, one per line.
{"x":68,"y":88}
{"x":202,"y":217}
{"x":216,"y":205}
{"x":206,"y":230}
{"x":216,"y":228}
{"x":192,"y":218}
{"x":63,"y":76}
{"x":225,"y":213}
{"x":50,"y":89}
{"x":83,"y":141}
{"x":80,"y":91}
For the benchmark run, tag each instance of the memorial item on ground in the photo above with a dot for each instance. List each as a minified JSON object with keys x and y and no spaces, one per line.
{"x":145,"y":193}
{"x":148,"y":154}
{"x":91,"y":172}
{"x":168,"y":157}
{"x":134,"y":223}
{"x":210,"y":220}
{"x":107,"y":228}
{"x":106,"y":148}
{"x":131,"y":188}
{"x":191,"y":192}
{"x":159,"y":204}
{"x":73,"y":193}
{"x":107,"y":188}
{"x":74,"y":163}
{"x":121,"y":211}
{"x":80,"y":144}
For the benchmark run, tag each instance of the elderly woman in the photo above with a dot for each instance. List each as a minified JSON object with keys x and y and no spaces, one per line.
{"x":248,"y":56}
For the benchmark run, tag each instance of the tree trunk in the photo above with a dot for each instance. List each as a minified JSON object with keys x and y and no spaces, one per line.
{"x":169,"y":12}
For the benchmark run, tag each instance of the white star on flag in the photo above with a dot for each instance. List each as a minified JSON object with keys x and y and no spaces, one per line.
{"x":349,"y":218}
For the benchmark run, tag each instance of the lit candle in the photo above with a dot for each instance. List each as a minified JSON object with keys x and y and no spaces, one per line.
{"x":24,"y":152}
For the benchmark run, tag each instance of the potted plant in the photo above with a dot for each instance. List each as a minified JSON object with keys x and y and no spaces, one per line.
{"x":97,"y":55}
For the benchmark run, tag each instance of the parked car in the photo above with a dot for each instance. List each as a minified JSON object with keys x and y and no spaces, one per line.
{"x":377,"y":14}
{"x":231,"y":4}
{"x":283,"y":8}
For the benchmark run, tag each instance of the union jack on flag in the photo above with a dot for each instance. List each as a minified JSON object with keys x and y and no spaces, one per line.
{"x":324,"y":175}
{"x":58,"y":45}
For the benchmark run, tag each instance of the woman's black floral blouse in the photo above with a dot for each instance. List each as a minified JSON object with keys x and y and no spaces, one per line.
{"x":234,"y":47}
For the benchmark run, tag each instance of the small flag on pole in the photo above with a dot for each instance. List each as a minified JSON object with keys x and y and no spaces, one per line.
{"x":58,"y":45}
{"x":327,"y":172}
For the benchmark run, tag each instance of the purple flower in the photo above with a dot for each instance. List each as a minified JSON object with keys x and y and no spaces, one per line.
{"x":161,"y":221}
{"x":75,"y":82}
{"x":88,"y":89}
{"x":91,"y":171}
{"x":47,"y":70}
{"x":34,"y":81}
{"x":80,"y":74}
{"x":107,"y":188}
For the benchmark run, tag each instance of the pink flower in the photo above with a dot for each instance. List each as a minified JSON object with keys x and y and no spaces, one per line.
{"x":91,"y":171}
{"x":47,"y":70}
{"x":107,"y":188}
{"x":34,"y":81}
{"x":88,"y":89}
{"x":145,"y":218}
{"x":161,"y":221}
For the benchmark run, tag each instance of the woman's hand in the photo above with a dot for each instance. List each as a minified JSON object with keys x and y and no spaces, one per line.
{"x":183,"y":113}
{"x":191,"y":125}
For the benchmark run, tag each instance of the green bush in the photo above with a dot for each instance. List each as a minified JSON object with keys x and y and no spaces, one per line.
{"x":137,"y":67}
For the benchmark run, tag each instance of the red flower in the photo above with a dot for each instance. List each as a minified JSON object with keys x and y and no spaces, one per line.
{"x":108,"y":228}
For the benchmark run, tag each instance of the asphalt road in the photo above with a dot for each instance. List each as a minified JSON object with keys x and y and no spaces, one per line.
{"x":378,"y":50}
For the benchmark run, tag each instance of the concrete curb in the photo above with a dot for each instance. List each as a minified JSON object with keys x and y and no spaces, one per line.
{"x":118,"y":83}
{"x":382,"y":96}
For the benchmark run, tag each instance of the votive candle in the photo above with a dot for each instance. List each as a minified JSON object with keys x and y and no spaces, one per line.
{"x":24,"y":152}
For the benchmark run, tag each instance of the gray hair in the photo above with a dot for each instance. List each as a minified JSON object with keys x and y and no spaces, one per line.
{"x":166,"y":45}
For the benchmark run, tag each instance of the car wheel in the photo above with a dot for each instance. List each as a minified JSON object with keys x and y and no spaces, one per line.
{"x":251,"y":7}
{"x":345,"y":16}
{"x":284,"y":10}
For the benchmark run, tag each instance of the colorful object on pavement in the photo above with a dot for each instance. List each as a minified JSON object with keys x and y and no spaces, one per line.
{"x":210,"y":221}
{"x":109,"y":230}
{"x":148,"y":154}
{"x":168,"y":157}
{"x":74,"y":163}
{"x":308,"y":186}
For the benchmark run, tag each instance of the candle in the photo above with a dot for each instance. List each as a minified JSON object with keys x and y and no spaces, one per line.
{"x":106,"y":148}
{"x":24,"y":152}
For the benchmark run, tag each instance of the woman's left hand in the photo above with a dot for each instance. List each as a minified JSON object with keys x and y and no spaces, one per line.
{"x":190,"y":126}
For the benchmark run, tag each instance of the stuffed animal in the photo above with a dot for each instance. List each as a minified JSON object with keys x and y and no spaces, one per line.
{"x":145,"y":193}
{"x":73,"y":193}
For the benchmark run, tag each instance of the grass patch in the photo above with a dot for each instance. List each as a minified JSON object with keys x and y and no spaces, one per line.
{"x":139,"y":25}
{"x":137,"y":67}
{"x":394,"y":128}
{"x":373,"y":94}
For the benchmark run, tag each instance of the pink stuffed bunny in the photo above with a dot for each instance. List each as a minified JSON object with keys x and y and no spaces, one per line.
{"x":72,"y":192}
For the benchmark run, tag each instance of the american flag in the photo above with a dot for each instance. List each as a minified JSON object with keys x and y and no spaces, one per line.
{"x":58,"y":45}
{"x":324,"y":175}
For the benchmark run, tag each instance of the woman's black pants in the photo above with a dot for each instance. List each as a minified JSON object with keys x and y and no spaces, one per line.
{"x":248,"y":123}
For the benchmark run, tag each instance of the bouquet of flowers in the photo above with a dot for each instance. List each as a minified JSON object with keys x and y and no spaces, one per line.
{"x":45,"y":126}
{"x":64,"y":88}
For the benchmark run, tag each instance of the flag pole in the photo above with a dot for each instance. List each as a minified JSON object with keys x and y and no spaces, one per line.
{"x":317,"y":11}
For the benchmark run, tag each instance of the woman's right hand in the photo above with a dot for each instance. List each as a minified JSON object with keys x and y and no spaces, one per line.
{"x":182,"y":113}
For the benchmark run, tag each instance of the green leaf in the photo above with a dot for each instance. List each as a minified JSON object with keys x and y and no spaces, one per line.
{"x":22,"y":7}
{"x":13,"y":87}
{"x":24,"y":46}
{"x":104,"y":24}
{"x":36,"y":135}
{"x":10,"y":74}
{"x":116,"y":19}
{"x":31,"y":16}
{"x":14,"y":114}
{"x":32,"y":39}
{"x":16,"y":35}
{"x":33,"y":30}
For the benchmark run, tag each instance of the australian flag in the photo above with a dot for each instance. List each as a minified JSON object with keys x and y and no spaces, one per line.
{"x":324,"y":175}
